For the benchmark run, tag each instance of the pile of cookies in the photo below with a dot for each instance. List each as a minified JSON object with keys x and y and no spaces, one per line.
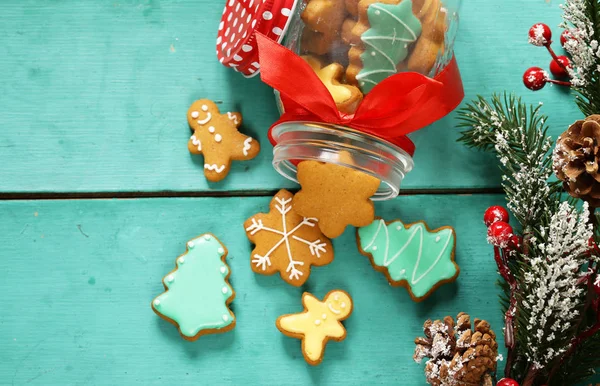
{"x":293,"y":236}
{"x":354,"y":44}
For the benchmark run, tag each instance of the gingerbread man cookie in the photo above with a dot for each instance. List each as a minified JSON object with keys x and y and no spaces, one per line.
{"x":337,"y":195}
{"x":286,"y":242}
{"x":216,"y":136}
{"x":318,"y":323}
{"x":346,"y":97}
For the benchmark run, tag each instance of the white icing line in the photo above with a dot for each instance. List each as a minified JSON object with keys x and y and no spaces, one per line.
{"x":232,"y":117}
{"x":375,"y":236}
{"x":401,"y":250}
{"x":247,"y":146}
{"x":333,"y":309}
{"x":415,"y":281}
{"x":196,"y":142}
{"x":206,"y":120}
{"x":397,"y":19}
{"x":214,"y":167}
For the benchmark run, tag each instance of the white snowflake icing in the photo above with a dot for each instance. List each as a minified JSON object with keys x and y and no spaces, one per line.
{"x":553,"y":281}
{"x":315,"y":247}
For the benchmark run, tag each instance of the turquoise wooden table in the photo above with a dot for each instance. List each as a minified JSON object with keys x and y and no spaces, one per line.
{"x":98,"y":195}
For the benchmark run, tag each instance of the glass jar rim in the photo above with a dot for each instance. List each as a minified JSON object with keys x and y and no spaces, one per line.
{"x":296,"y":141}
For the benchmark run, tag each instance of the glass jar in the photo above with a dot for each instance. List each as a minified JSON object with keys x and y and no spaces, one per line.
{"x":354,"y":47}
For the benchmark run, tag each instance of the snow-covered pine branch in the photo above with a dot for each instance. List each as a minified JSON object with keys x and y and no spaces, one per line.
{"x":581,"y":43}
{"x":517,"y":134}
{"x":552,"y":294}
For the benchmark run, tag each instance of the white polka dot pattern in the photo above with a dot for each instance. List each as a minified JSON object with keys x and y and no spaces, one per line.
{"x":236,"y":45}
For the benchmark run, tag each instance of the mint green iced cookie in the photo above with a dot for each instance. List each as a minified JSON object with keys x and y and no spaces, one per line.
{"x":197,"y":293}
{"x":410,"y":255}
{"x":393,"y":29}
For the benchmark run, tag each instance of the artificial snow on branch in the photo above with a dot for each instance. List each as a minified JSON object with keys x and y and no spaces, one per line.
{"x":581,"y":19}
{"x":553,"y":294}
{"x":518,"y":135}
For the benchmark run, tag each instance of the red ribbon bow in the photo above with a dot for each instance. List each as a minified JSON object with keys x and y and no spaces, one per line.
{"x":400,"y":104}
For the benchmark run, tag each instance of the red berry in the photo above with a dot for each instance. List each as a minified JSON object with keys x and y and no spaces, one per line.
{"x":540,"y":35}
{"x":499,"y":234}
{"x":495,"y":213}
{"x":507,"y":382}
{"x":558,"y":70}
{"x":565,"y":36}
{"x":535,"y":78}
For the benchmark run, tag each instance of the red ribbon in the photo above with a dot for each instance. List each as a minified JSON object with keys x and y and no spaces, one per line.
{"x":400,"y":104}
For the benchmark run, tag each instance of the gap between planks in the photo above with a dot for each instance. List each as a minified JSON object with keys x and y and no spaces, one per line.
{"x":232,"y":193}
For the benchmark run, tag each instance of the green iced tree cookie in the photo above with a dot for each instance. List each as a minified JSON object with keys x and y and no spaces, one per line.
{"x":393,"y":29}
{"x":197,"y":293}
{"x":411,"y":255}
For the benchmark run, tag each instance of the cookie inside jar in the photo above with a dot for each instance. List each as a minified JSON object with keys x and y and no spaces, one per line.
{"x":353,"y":45}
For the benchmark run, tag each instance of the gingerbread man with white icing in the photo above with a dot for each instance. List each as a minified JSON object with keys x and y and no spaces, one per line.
{"x":216,"y":136}
{"x":318,"y":323}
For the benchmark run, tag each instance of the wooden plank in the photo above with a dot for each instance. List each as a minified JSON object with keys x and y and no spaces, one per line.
{"x":77,"y":278}
{"x":94,"y":95}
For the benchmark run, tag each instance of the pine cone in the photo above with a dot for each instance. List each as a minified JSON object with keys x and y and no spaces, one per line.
{"x":459,"y":355}
{"x":576,"y":159}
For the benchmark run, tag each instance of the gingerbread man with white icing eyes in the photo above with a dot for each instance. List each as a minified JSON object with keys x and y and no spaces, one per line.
{"x":216,"y":136}
{"x":318,"y":323}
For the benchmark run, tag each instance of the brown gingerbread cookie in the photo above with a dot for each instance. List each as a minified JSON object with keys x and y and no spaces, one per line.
{"x":337,"y":195}
{"x":216,"y":136}
{"x":318,"y":323}
{"x":352,"y":7}
{"x":323,"y":20}
{"x":430,"y":44}
{"x":346,"y":97}
{"x":286,"y":242}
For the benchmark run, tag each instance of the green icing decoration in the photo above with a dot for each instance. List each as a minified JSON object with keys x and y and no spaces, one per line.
{"x":414,"y":255}
{"x":393,"y":29}
{"x":197,"y":291}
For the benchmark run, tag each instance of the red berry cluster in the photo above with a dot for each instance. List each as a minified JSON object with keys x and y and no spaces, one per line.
{"x":500,"y":233}
{"x":535,"y":78}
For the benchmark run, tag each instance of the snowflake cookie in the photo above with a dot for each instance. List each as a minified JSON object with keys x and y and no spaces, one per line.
{"x":286,"y":242}
{"x":197,"y":292}
{"x":216,"y":136}
{"x":410,"y":256}
{"x":318,"y":323}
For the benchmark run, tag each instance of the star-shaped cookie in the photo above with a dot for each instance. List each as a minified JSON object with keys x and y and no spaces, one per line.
{"x":318,"y":323}
{"x":286,"y":242}
{"x":336,"y":195}
{"x":216,"y":136}
{"x":346,"y":97}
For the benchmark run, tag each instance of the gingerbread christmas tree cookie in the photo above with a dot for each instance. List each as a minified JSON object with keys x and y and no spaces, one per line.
{"x":318,"y":323}
{"x":336,"y":195}
{"x":197,"y":293}
{"x":410,"y":256}
{"x":216,"y":136}
{"x":286,"y":242}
